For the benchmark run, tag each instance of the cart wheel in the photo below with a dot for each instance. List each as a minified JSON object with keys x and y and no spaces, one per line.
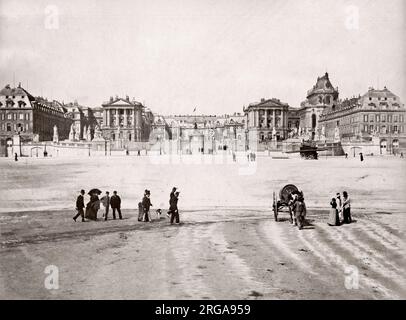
{"x":275,"y":207}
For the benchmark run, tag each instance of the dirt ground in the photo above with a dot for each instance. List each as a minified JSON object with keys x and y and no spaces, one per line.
{"x":228,"y":245}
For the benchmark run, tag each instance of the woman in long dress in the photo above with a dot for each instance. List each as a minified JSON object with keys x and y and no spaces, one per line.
{"x":333,"y":218}
{"x":92,"y":207}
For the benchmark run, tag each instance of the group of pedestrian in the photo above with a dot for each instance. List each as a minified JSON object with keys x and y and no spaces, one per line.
{"x":93,"y":206}
{"x":297,"y":209}
{"x":340,"y":211}
{"x":145,"y":205}
{"x":114,"y":202}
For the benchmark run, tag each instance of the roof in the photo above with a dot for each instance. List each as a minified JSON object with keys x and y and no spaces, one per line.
{"x":273,"y":102}
{"x":323,"y":85}
{"x":19,"y":91}
{"x":121,"y":102}
{"x":375,"y":93}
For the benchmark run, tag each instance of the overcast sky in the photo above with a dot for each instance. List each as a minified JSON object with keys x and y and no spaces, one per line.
{"x":216,"y":55}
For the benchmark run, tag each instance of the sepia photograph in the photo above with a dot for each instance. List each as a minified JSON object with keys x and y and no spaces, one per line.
{"x":202,"y":150}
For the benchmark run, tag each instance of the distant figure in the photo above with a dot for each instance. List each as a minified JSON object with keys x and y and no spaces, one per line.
{"x":291,"y":204}
{"x":174,"y":208}
{"x":45,"y":153}
{"x":361,"y":156}
{"x":401,"y":154}
{"x":234,"y":157}
{"x":80,"y":204}
{"x":346,"y":155}
{"x":171,"y":196}
{"x":339,"y":204}
{"x":300,"y":211}
{"x":346,"y":208}
{"x":115,"y":202}
{"x":106,"y":203}
{"x":138,"y":153}
{"x":15,"y":157}
{"x":333,"y":219}
{"x":146,"y":205}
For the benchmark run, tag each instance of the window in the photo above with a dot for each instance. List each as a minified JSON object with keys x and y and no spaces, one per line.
{"x":371,"y":128}
{"x":389,"y":118}
{"x":21,"y":116}
{"x":395,"y":128}
{"x":383,"y":118}
{"x":15,"y":116}
{"x":378,"y":118}
{"x":27,"y":116}
{"x":395,"y":118}
{"x":9,"y":116}
{"x":27,"y":127}
{"x":2,"y":116}
{"x":8,"y":126}
{"x":401,"y":118}
{"x":365,"y":128}
{"x":3,"y":127}
{"x":20,"y":127}
{"x":365,"y":118}
{"x":371,"y":118}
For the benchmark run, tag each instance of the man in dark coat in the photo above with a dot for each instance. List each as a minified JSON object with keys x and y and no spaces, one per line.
{"x":80,"y":204}
{"x":171,"y":196}
{"x":174,"y":208}
{"x":115,"y":203}
{"x":146,"y":205}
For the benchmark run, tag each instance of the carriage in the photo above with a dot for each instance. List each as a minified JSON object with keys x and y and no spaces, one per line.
{"x":308,"y":150}
{"x":284,"y":202}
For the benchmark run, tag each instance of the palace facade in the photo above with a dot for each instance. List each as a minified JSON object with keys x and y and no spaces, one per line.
{"x":125,"y":121}
{"x":32,"y":118}
{"x":376,"y":115}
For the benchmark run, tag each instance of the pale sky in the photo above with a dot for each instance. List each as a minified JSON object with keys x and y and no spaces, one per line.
{"x":216,"y":55}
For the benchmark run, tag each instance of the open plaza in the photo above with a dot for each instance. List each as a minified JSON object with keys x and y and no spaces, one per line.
{"x":228,"y":245}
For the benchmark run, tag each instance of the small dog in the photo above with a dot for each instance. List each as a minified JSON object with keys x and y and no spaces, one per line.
{"x":158,"y":214}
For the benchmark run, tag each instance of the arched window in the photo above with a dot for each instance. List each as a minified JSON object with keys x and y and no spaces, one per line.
{"x":314,"y":121}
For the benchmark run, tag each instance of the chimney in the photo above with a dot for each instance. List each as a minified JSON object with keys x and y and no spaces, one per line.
{"x":127,"y":98}
{"x":111,"y":98}
{"x":262,"y":99}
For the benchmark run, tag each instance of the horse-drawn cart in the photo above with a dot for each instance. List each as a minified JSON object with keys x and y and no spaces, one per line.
{"x":285,"y":200}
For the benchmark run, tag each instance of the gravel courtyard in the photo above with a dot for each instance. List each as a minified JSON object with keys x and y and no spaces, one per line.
{"x":228,"y":245}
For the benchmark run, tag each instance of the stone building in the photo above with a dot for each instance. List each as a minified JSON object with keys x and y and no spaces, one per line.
{"x":318,"y":98}
{"x":32,"y":118}
{"x":192,"y":134}
{"x":125,"y":121}
{"x":267,"y":120}
{"x":84,"y":118}
{"x":378,"y":115}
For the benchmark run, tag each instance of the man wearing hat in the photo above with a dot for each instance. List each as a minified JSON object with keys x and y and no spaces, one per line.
{"x":174,"y":208}
{"x":146,"y":204}
{"x":171,"y":196}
